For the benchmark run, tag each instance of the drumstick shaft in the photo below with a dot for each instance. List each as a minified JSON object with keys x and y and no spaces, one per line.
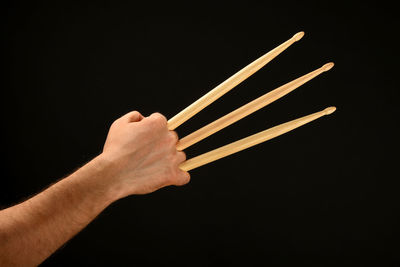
{"x":251,"y":140}
{"x":247,"y":109}
{"x":230,"y":83}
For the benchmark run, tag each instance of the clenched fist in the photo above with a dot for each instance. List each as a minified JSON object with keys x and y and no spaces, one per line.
{"x":143,"y":154}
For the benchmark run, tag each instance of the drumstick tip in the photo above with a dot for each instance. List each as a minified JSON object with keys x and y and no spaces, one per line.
{"x":329,"y":110}
{"x":328,"y":66}
{"x":298,"y":36}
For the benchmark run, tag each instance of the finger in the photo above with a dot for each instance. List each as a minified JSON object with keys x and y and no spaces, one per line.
{"x":158,"y":116}
{"x":183,"y":178}
{"x":133,"y":116}
{"x":180,"y":157}
{"x":158,"y":119}
{"x":174,"y":136}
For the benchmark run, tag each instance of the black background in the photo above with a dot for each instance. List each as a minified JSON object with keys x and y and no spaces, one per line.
{"x":325,"y":194}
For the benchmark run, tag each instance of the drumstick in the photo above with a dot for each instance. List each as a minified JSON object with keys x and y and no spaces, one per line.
{"x":230,"y":83}
{"x":247,"y":109}
{"x":251,"y":140}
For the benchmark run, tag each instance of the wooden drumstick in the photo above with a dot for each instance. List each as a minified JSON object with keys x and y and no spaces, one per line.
{"x":247,"y":109}
{"x":250,"y":141}
{"x":230,"y":83}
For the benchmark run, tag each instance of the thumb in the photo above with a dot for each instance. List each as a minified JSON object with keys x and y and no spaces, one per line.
{"x":133,"y":116}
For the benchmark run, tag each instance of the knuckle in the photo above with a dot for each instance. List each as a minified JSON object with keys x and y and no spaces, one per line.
{"x":174,"y":136}
{"x":171,"y":143}
{"x":184,"y":178}
{"x":157,"y":121}
{"x":187,"y":179}
{"x":133,"y":116}
{"x":134,"y":113}
{"x":159,"y":117}
{"x":182,"y":156}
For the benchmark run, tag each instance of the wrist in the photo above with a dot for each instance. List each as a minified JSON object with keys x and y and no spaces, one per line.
{"x":111,"y":171}
{"x":97,"y":180}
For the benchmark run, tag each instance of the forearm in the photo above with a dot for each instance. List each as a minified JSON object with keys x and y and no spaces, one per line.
{"x":139,"y":157}
{"x":34,"y":229}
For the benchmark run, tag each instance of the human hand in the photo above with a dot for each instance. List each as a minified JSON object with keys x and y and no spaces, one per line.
{"x":143,"y":156}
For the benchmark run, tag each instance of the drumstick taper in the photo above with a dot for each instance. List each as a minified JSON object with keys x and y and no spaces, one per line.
{"x":251,"y":140}
{"x":230,"y":83}
{"x":248,"y":108}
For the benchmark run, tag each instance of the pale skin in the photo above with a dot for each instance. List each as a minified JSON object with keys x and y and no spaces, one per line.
{"x":139,"y":157}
